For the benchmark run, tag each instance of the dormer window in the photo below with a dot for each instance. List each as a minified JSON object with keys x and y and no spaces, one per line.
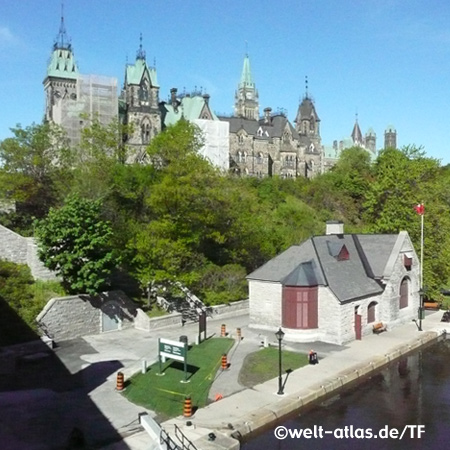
{"x":343,"y":254}
{"x":407,"y":260}
{"x":338,"y":251}
{"x":259,"y":132}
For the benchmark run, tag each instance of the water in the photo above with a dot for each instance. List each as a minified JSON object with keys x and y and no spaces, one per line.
{"x":414,"y":390}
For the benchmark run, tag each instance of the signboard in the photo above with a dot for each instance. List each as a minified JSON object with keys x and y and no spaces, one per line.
{"x":175,"y":350}
{"x":172,"y":349}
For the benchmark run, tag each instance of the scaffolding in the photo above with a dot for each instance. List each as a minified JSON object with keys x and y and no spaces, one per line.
{"x":96,"y":97}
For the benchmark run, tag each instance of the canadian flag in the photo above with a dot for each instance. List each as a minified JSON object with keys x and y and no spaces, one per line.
{"x":420,"y":209}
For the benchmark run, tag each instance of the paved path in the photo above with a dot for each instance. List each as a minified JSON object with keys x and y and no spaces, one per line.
{"x":251,"y":409}
{"x":75,"y":386}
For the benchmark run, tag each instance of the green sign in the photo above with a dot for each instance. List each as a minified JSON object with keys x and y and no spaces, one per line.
{"x":175,"y":350}
{"x":172,"y":349}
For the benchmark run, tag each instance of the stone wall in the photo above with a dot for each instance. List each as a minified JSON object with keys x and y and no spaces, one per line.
{"x":265,"y":304}
{"x":80,"y":315}
{"x":22,"y":250}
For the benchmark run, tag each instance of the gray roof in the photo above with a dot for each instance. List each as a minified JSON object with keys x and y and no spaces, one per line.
{"x":274,"y":129}
{"x":315,"y":262}
{"x":307,"y":109}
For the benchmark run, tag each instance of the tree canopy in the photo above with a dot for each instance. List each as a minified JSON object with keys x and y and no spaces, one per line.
{"x":179,"y":218}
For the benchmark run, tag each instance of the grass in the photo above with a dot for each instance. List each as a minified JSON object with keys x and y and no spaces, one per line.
{"x":262,"y":365}
{"x":165,"y":394}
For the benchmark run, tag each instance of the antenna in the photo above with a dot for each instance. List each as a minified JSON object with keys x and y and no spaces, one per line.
{"x":140,"y":54}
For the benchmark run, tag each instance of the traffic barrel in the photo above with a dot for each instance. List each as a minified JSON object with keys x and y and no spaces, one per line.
{"x":120,"y":381}
{"x":187,"y":409}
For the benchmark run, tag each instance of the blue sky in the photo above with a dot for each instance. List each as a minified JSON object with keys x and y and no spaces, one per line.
{"x":387,"y":60}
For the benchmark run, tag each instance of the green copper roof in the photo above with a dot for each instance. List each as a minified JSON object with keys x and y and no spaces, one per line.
{"x":62,"y":64}
{"x":246,"y":76}
{"x":135,"y":72}
{"x":190,"y":109}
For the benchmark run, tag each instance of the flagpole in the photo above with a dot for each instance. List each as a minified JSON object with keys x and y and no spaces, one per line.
{"x":421,"y":310}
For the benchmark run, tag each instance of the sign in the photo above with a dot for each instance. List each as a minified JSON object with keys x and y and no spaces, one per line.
{"x":175,"y":350}
{"x":172,"y":349}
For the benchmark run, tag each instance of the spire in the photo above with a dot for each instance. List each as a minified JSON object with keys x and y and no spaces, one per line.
{"x":246,"y":76}
{"x":306,"y":86}
{"x":140,"y":54}
{"x":356,"y":133}
{"x":62,"y":42}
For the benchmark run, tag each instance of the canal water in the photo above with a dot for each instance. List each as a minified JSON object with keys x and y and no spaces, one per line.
{"x":409,"y":392}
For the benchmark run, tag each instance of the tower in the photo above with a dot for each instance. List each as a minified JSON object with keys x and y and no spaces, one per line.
{"x":371,"y":140}
{"x":357,"y":136}
{"x":307,"y":124}
{"x":307,"y":121}
{"x":246,"y":103}
{"x":390,"y":137}
{"x":141,"y":99}
{"x":60,"y":83}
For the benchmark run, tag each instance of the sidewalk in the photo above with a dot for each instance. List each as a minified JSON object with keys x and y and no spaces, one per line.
{"x":248,"y":410}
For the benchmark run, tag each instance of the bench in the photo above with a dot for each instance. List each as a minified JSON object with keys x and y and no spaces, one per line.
{"x":379,"y":328}
{"x":431,"y":305}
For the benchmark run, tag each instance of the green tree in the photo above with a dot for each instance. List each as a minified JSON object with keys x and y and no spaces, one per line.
{"x":34,"y":169}
{"x":74,"y":241}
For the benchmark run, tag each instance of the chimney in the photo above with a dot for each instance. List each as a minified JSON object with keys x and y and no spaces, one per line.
{"x":173,"y":99}
{"x":267,"y":112}
{"x":334,"y":227}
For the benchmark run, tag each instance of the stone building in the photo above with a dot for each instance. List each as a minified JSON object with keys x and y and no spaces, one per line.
{"x":72,"y":98}
{"x":335,"y":288}
{"x":356,"y":139}
{"x":271,"y":145}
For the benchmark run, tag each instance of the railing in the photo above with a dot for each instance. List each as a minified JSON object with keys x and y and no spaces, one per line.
{"x":185,"y":442}
{"x":167,"y":440}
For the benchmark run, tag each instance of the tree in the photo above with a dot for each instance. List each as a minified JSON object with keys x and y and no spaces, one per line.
{"x":34,"y":168}
{"x":74,"y":241}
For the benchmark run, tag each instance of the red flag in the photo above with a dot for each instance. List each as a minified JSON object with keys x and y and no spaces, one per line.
{"x":420,"y":209}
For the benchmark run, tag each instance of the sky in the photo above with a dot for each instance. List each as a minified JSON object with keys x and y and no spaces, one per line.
{"x":386,"y":61}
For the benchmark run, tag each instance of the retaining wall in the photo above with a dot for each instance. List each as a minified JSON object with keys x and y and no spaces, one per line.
{"x":23,"y":250}
{"x":80,"y":315}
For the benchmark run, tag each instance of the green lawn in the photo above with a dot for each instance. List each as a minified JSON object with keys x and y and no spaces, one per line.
{"x":262,"y":365}
{"x":165,"y":394}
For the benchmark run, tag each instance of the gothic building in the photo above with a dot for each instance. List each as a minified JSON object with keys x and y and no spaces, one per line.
{"x":271,"y":145}
{"x":139,"y":105}
{"x":246,"y":143}
{"x":356,"y":139}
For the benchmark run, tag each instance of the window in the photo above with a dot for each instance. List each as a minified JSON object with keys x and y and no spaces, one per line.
{"x":371,"y":312}
{"x":404,"y":293}
{"x":259,"y":158}
{"x":300,"y":307}
{"x":407,"y":260}
{"x":240,"y":139}
{"x":244,"y":157}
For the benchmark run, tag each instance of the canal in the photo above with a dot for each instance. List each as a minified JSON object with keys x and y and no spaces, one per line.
{"x":411,"y":391}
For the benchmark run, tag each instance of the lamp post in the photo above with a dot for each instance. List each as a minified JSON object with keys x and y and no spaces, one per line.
{"x":280,"y":335}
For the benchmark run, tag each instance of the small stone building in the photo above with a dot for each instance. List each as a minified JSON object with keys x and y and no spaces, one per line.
{"x":334,"y":288}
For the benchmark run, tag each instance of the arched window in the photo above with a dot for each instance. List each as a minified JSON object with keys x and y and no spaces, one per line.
{"x":240,"y":139}
{"x":244,"y":157}
{"x":259,"y":158}
{"x":404,"y":293}
{"x":312,"y":123}
{"x":371,"y":312}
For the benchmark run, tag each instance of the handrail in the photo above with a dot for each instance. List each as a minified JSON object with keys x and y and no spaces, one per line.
{"x":183,"y":439}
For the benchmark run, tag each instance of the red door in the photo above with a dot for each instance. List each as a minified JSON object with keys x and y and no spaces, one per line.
{"x":358,"y":325}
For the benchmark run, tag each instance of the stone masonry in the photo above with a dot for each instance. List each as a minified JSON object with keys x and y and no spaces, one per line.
{"x":23,"y":250}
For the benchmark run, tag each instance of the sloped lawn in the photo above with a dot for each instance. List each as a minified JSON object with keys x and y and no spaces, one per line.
{"x":262,"y":365}
{"x":165,"y":394}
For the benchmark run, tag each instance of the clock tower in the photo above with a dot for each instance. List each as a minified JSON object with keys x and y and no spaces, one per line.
{"x":246,"y":100}
{"x":60,"y":83}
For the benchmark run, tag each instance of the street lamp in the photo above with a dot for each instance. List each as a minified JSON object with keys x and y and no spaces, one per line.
{"x":280,"y":335}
